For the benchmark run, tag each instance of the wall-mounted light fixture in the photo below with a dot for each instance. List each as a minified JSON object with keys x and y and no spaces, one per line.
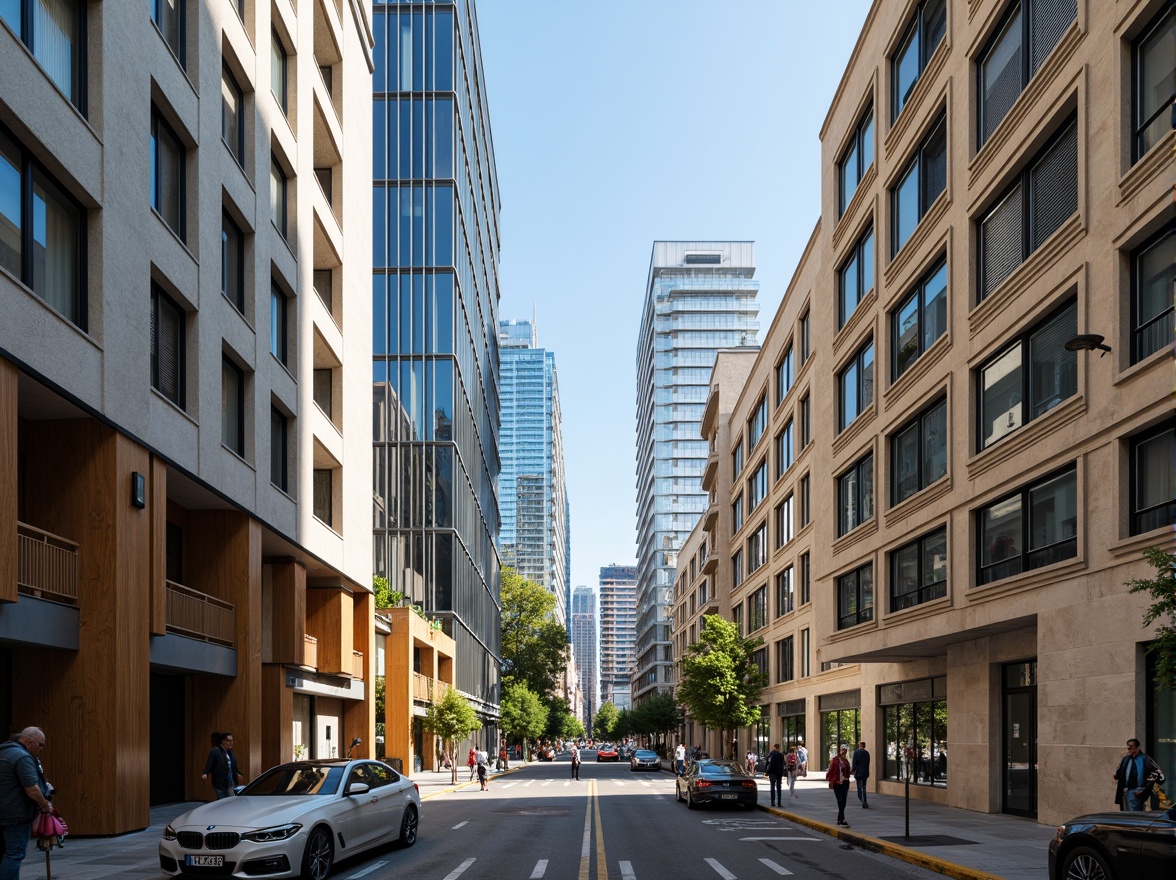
{"x":1087,"y":342}
{"x":138,"y":490}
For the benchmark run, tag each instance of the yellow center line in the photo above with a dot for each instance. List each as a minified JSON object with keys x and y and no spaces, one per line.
{"x":586,"y":849}
{"x":601,"y":861}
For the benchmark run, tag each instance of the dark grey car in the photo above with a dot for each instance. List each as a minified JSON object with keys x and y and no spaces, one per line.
{"x":717,"y":782}
{"x":644,"y":759}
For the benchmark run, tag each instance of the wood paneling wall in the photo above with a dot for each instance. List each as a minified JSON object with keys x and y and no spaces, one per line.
{"x":329,"y":612}
{"x":359,"y":716}
{"x":288,"y":624}
{"x":277,"y":717}
{"x":157,"y":496}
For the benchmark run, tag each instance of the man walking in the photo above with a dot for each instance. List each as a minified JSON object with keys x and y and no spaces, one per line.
{"x":575,"y":761}
{"x":221,"y":767}
{"x":838,"y":778}
{"x":859,"y":766}
{"x":774,"y":767}
{"x":23,"y":791}
{"x":680,"y":759}
{"x":1136,"y":779}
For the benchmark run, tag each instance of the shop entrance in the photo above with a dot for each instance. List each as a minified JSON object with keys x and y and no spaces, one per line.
{"x":1019,"y":749}
{"x":168,"y":736}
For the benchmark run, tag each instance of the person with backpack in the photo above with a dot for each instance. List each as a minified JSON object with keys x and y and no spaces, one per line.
{"x":483,"y":771}
{"x":792,"y":768}
{"x":472,"y":762}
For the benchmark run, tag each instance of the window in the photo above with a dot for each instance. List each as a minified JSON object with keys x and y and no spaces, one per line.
{"x":757,"y":486}
{"x":919,"y":186}
{"x":806,"y":513}
{"x":168,"y":330}
{"x":784,"y":450}
{"x":323,"y":391}
{"x":855,"y":597}
{"x":918,"y":571}
{"x":279,"y":187}
{"x":737,"y":514}
{"x":233,"y":407}
{"x":914,"y":718}
{"x":806,"y":421}
{"x":1051,"y":376}
{"x":232,"y":262}
{"x":855,"y":494}
{"x":805,"y":668}
{"x":1040,"y":200}
{"x":757,"y":609}
{"x":920,"y":319}
{"x":323,"y":494}
{"x":325,"y":178}
{"x":784,"y":376}
{"x":784,"y":660}
{"x":804,"y":566}
{"x":784,"y":594}
{"x":1024,"y":39}
{"x":53,"y":30}
{"x":323,"y":281}
{"x":1035,"y":526}
{"x":279,"y":331}
{"x":805,"y":349}
{"x":169,"y":16}
{"x":758,"y":423}
{"x":919,"y":453}
{"x":279,"y":69}
{"x":279,"y":444}
{"x":1153,"y":479}
{"x":784,"y":522}
{"x":759,"y":659}
{"x":757,"y":548}
{"x":855,"y":386}
{"x":737,"y":568}
{"x":42,"y":233}
{"x":858,"y":158}
{"x":856,"y":278}
{"x":1155,"y":87}
{"x":737,"y":458}
{"x":737,"y":618}
{"x":167,"y":175}
{"x":232,"y":116}
{"x":917,"y":47}
{"x":1153,"y":285}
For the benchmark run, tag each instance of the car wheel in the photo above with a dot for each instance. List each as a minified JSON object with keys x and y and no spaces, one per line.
{"x":1085,"y":863}
{"x":408,"y":827}
{"x":316,"y":860}
{"x":690,"y":804}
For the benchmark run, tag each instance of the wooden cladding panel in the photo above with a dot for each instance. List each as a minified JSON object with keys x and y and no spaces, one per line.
{"x":329,"y":612}
{"x":288,"y":625}
{"x":277,"y":717}
{"x":157,"y":508}
{"x":360,"y":715}
{"x":9,"y":434}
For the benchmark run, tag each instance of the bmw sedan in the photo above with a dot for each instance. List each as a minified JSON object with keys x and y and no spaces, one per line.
{"x":1115,"y":846}
{"x":294,"y":820}
{"x":717,"y":782}
{"x":607,"y":752}
{"x":643,"y":759}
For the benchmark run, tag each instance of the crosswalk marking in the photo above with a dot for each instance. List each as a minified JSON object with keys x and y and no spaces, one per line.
{"x":548,"y":782}
{"x":367,"y":870}
{"x":508,"y":784}
{"x":783,"y":872}
{"x":618,"y":782}
{"x":459,"y":824}
{"x":459,"y":870}
{"x":627,"y":871}
{"x":569,"y":782}
{"x":719,"y":869}
{"x":540,"y":869}
{"x":529,"y":782}
{"x":646,"y":784}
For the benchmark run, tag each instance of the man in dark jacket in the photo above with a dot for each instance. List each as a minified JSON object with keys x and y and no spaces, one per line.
{"x":1136,"y":779}
{"x":23,"y":792}
{"x":859,"y":766}
{"x":774,"y":767}
{"x":221,"y":766}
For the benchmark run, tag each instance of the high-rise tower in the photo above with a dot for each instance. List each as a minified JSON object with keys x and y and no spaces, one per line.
{"x":618,"y":632}
{"x":584,"y":624}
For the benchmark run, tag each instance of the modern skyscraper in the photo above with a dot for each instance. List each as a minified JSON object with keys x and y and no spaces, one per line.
{"x":435,"y":314}
{"x":532,"y":492}
{"x":584,"y":626}
{"x":700,"y":296}
{"x":618,"y":632}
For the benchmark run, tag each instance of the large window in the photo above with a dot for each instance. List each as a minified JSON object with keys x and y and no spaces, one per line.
{"x":324,"y":487}
{"x":42,"y":233}
{"x":855,"y":597}
{"x":919,"y":186}
{"x":169,"y":16}
{"x":758,"y":423}
{"x":1153,"y":290}
{"x":855,"y":386}
{"x":737,"y":459}
{"x":805,"y":342}
{"x":1040,"y":200}
{"x":279,"y":189}
{"x":841,"y":726}
{"x":757,"y":486}
{"x":1033,"y":527}
{"x":806,"y":421}
{"x":855,"y":495}
{"x":784,"y":522}
{"x":279,"y":449}
{"x":167,"y":346}
{"x":1154,"y":80}
{"x":920,"y":319}
{"x":279,"y":71}
{"x":856,"y":161}
{"x":802,"y":492}
{"x":279,"y":323}
{"x":1036,"y":368}
{"x":855,"y":279}
{"x":918,"y":571}
{"x":167,"y":175}
{"x":757,"y":609}
{"x":792,"y":722}
{"x":914,"y":717}
{"x":757,"y":548}
{"x":804,"y":564}
{"x":919,"y":453}
{"x":233,"y":406}
{"x":1016,"y":52}
{"x":232,"y":262}
{"x":784,"y":376}
{"x":737,"y":514}
{"x":785,"y":599}
{"x":785,"y":670}
{"x":737,"y":568}
{"x":54,"y":30}
{"x":232,"y":116}
{"x":918,"y":45}
{"x":1153,"y":479}
{"x":784,"y":450}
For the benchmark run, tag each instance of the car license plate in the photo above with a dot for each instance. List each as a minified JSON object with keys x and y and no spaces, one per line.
{"x":204,"y":861}
{"x":728,"y":797}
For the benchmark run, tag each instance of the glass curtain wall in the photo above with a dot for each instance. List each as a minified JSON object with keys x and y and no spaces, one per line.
{"x":914,"y":718}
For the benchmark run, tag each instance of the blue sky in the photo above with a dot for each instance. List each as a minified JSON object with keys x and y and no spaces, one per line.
{"x":620,"y":122}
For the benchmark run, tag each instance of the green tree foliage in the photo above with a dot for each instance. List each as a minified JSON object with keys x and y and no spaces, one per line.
{"x":1163,"y":590}
{"x":534,"y":643}
{"x":573,"y":728}
{"x":624,"y":725}
{"x":558,"y":716}
{"x":657,"y":715}
{"x":451,"y":718}
{"x":721,"y":685}
{"x":524,"y":717}
{"x":602,"y":724}
{"x":386,"y":597}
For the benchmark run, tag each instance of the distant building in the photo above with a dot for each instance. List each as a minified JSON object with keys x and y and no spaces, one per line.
{"x":584,"y":629}
{"x":618,"y":632}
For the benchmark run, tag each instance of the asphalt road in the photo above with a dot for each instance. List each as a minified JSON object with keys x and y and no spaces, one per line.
{"x":539,"y":824}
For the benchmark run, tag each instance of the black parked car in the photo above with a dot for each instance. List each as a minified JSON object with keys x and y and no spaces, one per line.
{"x":717,"y":782}
{"x":1115,"y":846}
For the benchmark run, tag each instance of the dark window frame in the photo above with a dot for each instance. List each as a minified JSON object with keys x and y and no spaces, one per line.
{"x":281,"y":333}
{"x":758,"y":485}
{"x":862,"y":269}
{"x":784,"y":375}
{"x":852,"y":581}
{"x":757,"y":548}
{"x":757,"y":609}
{"x":180,"y":49}
{"x":284,"y":98}
{"x":158,"y":124}
{"x":785,"y":523}
{"x":915,"y":29}
{"x":785,"y":455}
{"x":1168,"y":315}
{"x":160,"y":300}
{"x":806,"y":349}
{"x":863,"y":499}
{"x":24,"y":32}
{"x":737,"y":458}
{"x":235,"y":444}
{"x":757,"y":423}
{"x":785,"y":583}
{"x":925,"y":591}
{"x":785,"y":660}
{"x":1138,"y":126}
{"x":917,"y":165}
{"x":859,"y":365}
{"x":1056,"y":551}
{"x":803,"y":491}
{"x":863,"y":136}
{"x":281,"y":223}
{"x":279,"y":466}
{"x":316,"y":512}
{"x":237,"y":149}
{"x":804,"y":577}
{"x":918,"y":423}
{"x":1157,"y":515}
{"x":236,"y":297}
{"x":918,"y":293}
{"x":805,"y":417}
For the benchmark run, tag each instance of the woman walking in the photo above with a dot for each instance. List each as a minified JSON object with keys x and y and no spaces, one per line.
{"x":792,"y":769}
{"x":472,"y":762}
{"x":838,"y":778}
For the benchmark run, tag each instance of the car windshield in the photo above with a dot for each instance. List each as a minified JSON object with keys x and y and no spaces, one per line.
{"x":296,"y":779}
{"x":720,"y":768}
{"x":644,"y":753}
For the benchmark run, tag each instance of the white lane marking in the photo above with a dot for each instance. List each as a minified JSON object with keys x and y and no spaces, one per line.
{"x":459,"y":824}
{"x":548,"y":782}
{"x":783,"y":872}
{"x":459,"y":870}
{"x":586,"y":849}
{"x":540,"y":869}
{"x":779,"y":838}
{"x":646,"y":784}
{"x":627,"y":871}
{"x":367,"y":870}
{"x":529,"y":782}
{"x":719,"y":869}
{"x":618,"y":782}
{"x":508,"y":784}
{"x":569,"y":782}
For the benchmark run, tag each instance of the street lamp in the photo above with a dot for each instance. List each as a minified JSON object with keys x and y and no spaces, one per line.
{"x":1087,"y":342}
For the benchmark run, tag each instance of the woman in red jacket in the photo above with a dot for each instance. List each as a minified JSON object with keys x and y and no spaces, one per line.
{"x":838,"y":778}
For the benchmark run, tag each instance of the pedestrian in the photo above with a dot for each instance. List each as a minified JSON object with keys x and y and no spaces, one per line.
{"x":838,"y":778}
{"x":680,"y":758}
{"x":802,"y":756}
{"x":752,"y":758}
{"x":859,"y":766}
{"x":792,"y":768}
{"x":472,"y":762}
{"x":503,"y":758}
{"x":775,"y":767}
{"x":575,"y":761}
{"x":1136,"y":779}
{"x":221,"y":767}
{"x":23,"y":793}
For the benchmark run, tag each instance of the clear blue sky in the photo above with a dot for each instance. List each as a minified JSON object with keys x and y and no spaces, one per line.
{"x":620,"y":122}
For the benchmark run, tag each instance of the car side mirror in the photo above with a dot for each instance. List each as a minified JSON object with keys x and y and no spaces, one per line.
{"x":357,"y":788}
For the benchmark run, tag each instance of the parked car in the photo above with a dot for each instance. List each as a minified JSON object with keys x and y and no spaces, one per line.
{"x":1115,"y":846}
{"x":714,"y":781}
{"x":644,"y":759}
{"x":295,"y":820}
{"x":545,"y":753}
{"x":607,"y":752}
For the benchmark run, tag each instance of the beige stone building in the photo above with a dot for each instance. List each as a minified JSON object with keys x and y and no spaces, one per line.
{"x":955,"y":496}
{"x":185,"y":403}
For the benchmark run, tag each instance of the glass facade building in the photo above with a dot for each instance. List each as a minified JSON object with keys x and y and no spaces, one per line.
{"x":435,"y":318}
{"x":618,"y":632}
{"x":583,"y":632}
{"x":699,"y":297}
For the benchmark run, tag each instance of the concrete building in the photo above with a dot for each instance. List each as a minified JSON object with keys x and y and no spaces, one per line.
{"x":960,"y":484}
{"x":435,"y":345}
{"x":585,"y":623}
{"x":618,"y":633}
{"x":700,"y":296}
{"x":183,"y":390}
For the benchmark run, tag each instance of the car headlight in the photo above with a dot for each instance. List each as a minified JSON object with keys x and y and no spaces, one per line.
{"x":278,"y":832}
{"x":169,"y":833}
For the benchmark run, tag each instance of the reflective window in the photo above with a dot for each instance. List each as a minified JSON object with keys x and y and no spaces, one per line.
{"x":855,"y":386}
{"x":785,"y":670}
{"x":758,"y":423}
{"x":168,"y":175}
{"x":805,"y":349}
{"x":920,"y":319}
{"x":856,"y":277}
{"x":855,"y":494}
{"x":233,"y":407}
{"x":916,"y":742}
{"x":1153,"y":288}
{"x":784,"y":528}
{"x":757,"y":609}
{"x":1033,"y":527}
{"x":1154,"y":55}
{"x":784,"y":376}
{"x":856,"y":161}
{"x":169,"y":16}
{"x":855,"y":597}
{"x":919,"y":453}
{"x":918,"y":571}
{"x":919,"y":185}
{"x":737,"y":514}
{"x":232,"y":262}
{"x":279,"y":72}
{"x":168,"y":328}
{"x":1153,"y":479}
{"x":323,"y":495}
{"x":279,"y":446}
{"x":757,"y":486}
{"x":279,"y":327}
{"x":53,"y":30}
{"x":232,"y":117}
{"x":918,"y":45}
{"x":278,"y":196}
{"x":784,"y":450}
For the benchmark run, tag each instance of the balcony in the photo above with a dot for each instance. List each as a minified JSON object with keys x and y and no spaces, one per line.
{"x":199,"y":616}
{"x":310,"y":652}
{"x":710,"y":517}
{"x":426,"y":689}
{"x":709,"y":414}
{"x":47,"y":565}
{"x":711,"y":470}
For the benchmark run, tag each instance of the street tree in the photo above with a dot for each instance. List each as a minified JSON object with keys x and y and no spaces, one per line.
{"x":1163,"y":610}
{"x":451,"y":718}
{"x":602,"y":724}
{"x":721,"y":684}
{"x":524,"y":717}
{"x":534,"y":643}
{"x":624,"y":725}
{"x":559,"y":715}
{"x":573,"y":728}
{"x":657,"y":715}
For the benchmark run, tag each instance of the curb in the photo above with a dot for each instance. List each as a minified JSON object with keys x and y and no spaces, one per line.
{"x":462,"y":785}
{"x":886,"y":848}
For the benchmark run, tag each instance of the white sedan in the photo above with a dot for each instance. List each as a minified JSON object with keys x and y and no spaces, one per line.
{"x":295,"y":820}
